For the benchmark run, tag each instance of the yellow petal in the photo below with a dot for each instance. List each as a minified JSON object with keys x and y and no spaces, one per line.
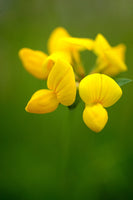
{"x":54,"y":42}
{"x":66,"y":90}
{"x":111,"y":64}
{"x":116,"y":65}
{"x":110,"y":91}
{"x":95,"y":117}
{"x":120,"y":51}
{"x":42,"y":101}
{"x":57,"y":43}
{"x":50,"y":60}
{"x":100,"y":44}
{"x":90,"y":88}
{"x":99,"y":88}
{"x":33,"y":62}
{"x":79,"y":43}
{"x":62,"y":81}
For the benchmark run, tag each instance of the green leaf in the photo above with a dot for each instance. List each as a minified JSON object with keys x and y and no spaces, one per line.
{"x":123,"y":81}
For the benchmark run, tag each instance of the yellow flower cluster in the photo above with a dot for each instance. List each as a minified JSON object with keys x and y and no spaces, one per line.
{"x":65,"y":74}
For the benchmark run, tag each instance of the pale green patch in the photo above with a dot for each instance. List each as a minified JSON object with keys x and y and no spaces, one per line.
{"x":123,"y":81}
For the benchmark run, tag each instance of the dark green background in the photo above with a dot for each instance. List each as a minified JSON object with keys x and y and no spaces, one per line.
{"x":55,"y":156}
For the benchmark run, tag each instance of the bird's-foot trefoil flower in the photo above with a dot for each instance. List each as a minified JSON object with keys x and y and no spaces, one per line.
{"x":35,"y":62}
{"x":98,"y":91}
{"x":61,"y":40}
{"x":110,"y":60}
{"x":61,"y":89}
{"x":66,"y":78}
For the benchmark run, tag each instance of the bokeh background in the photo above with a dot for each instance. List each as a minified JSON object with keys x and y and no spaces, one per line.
{"x":55,"y":156}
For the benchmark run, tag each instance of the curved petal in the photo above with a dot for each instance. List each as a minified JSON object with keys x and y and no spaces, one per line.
{"x":99,"y":88}
{"x":54,"y":42}
{"x":100,"y":44}
{"x":110,"y":91}
{"x":62,"y":81}
{"x":115,"y":63}
{"x":50,"y":60}
{"x":42,"y":101}
{"x":79,"y":43}
{"x":120,"y":51}
{"x":57,"y":43}
{"x":33,"y":61}
{"x":95,"y":117}
{"x":90,"y":88}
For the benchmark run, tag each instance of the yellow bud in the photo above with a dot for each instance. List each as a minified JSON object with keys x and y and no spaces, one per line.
{"x":42,"y":101}
{"x":33,"y":62}
{"x":54,"y":43}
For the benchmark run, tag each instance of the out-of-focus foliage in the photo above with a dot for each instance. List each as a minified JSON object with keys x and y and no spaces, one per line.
{"x":55,"y":156}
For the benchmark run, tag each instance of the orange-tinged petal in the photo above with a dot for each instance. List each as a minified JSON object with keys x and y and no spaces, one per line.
{"x":42,"y":101}
{"x":33,"y":62}
{"x":99,"y":88}
{"x":95,"y":117}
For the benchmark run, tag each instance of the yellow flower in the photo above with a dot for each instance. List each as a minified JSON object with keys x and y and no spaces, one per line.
{"x":110,"y":60}
{"x":51,"y":60}
{"x":38,"y":63}
{"x":60,"y":40}
{"x":98,"y":91}
{"x":35,"y":62}
{"x":61,"y":89}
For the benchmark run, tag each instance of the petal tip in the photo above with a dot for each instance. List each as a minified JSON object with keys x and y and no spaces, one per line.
{"x":95,"y":117}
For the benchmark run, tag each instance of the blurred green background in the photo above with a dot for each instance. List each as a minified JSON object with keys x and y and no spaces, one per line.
{"x":55,"y":156}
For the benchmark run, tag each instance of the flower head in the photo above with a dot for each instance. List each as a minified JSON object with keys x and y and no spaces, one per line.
{"x":98,"y":91}
{"x":65,"y":73}
{"x":61,"y":89}
{"x":60,"y":40}
{"x":37,"y":62}
{"x":110,"y":60}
